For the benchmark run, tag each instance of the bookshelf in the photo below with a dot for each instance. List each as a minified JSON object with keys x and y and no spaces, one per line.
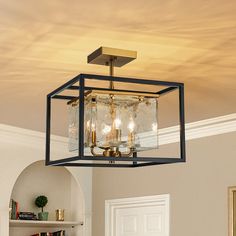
{"x":40,"y":224}
{"x":62,"y":191}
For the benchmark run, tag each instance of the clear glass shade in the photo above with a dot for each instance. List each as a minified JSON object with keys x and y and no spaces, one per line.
{"x":117,"y":121}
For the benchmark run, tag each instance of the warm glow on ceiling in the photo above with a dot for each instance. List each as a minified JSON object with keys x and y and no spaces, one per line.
{"x":45,"y":43}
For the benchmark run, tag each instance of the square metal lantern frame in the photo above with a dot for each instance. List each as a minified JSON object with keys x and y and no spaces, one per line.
{"x":111,"y":161}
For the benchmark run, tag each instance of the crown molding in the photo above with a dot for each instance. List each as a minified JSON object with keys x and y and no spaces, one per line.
{"x":200,"y":129}
{"x":194,"y":130}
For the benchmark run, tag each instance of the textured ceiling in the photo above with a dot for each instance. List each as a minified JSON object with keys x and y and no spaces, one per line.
{"x":45,"y":43}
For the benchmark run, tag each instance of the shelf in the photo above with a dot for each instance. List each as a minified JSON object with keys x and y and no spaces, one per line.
{"x":35,"y":223}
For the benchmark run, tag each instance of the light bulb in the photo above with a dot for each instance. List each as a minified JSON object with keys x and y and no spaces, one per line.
{"x":106,"y":129}
{"x":117,"y":123}
{"x":93,"y":127}
{"x":154,"y":127}
{"x":131,"y":126}
{"x":88,"y":124}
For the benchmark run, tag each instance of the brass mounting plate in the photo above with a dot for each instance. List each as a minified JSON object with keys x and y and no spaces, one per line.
{"x":129,"y":93}
{"x":103,"y":55}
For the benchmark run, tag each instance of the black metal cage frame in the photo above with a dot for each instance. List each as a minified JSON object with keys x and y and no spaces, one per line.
{"x":111,"y":161}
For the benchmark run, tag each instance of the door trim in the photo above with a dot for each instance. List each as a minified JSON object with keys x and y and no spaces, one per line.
{"x":112,"y":205}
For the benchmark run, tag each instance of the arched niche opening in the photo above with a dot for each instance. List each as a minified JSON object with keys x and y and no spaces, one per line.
{"x":61,"y":188}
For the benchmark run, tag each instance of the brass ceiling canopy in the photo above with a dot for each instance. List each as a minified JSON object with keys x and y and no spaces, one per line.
{"x":103,"y":56}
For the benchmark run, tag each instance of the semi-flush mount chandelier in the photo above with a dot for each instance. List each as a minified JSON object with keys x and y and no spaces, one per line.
{"x":113,"y":119}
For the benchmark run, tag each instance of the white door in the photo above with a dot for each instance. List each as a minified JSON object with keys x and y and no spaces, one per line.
{"x":144,"y":216}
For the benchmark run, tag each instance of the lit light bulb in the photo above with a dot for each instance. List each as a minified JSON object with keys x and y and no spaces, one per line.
{"x":131,"y":126}
{"x":131,"y":135}
{"x":117,"y":123}
{"x":93,"y":127}
{"x":88,"y":124}
{"x":154,"y":127}
{"x":106,"y":129}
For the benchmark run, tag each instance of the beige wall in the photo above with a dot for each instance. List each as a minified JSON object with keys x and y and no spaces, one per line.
{"x":198,"y":188}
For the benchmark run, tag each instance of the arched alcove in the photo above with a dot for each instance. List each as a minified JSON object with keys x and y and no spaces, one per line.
{"x":61,"y":188}
{"x":19,"y":149}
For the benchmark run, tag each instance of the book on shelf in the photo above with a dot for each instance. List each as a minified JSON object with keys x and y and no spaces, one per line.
{"x":16,"y":215}
{"x":14,"y":206}
{"x":27,"y":216}
{"x":57,"y":233}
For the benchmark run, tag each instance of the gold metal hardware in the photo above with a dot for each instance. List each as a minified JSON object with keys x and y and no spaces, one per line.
{"x":74,"y":102}
{"x":131,"y":138}
{"x":112,"y":152}
{"x":103,"y":54}
{"x":94,"y":137}
{"x":113,"y":58}
{"x":141,"y":95}
{"x":118,"y":135}
{"x":94,"y":153}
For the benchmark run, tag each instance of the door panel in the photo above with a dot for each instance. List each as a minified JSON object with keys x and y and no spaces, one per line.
{"x":140,"y":216}
{"x":140,"y":221}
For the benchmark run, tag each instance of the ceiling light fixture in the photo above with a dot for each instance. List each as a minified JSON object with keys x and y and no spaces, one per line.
{"x":112,"y":119}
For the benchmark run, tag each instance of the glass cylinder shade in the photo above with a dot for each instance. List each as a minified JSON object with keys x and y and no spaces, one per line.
{"x":124,"y":122}
{"x":73,"y":126}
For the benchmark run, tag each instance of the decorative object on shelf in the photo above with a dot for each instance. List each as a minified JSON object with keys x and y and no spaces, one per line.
{"x":41,"y":202}
{"x":60,"y":214}
{"x":112,"y":119}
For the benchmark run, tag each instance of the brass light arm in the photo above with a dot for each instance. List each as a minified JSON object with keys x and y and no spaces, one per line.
{"x":112,"y":153}
{"x":130,"y":153}
{"x":94,"y":153}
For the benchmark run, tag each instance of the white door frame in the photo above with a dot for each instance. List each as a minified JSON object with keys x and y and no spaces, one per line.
{"x":112,"y":205}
